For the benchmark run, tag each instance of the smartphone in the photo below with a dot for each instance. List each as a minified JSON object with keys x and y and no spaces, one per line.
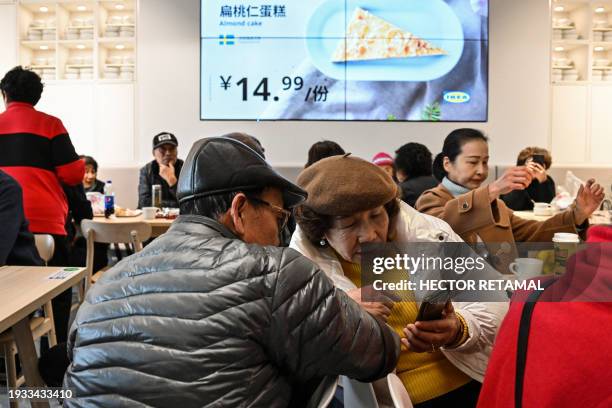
{"x":538,"y":158}
{"x":431,"y":311}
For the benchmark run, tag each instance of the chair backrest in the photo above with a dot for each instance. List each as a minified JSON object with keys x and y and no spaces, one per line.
{"x":324,"y":394}
{"x":398,"y":392}
{"x":133,"y":232}
{"x":45,"y":246}
{"x":358,"y":394}
{"x":120,"y":232}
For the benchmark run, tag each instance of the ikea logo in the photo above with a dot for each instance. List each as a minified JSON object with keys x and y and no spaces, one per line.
{"x":457,"y":97}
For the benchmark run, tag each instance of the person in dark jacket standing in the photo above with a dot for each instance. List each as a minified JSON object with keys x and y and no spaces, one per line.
{"x":164,"y":170}
{"x":213,"y":313}
{"x":413,"y":165}
{"x":16,"y":242}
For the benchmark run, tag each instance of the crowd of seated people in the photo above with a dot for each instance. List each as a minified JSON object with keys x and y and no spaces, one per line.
{"x":219,"y":312}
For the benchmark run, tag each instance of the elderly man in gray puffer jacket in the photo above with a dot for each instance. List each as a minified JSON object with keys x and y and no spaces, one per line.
{"x":212,"y":313}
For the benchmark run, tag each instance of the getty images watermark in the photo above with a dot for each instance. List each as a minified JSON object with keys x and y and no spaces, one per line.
{"x":485,"y":272}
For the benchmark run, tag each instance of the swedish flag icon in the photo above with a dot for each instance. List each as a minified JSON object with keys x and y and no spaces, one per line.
{"x":226,"y":39}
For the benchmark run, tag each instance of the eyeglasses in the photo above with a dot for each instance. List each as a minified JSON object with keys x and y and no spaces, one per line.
{"x":281,"y":214}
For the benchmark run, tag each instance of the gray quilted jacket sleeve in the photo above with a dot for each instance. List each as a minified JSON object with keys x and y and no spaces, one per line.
{"x":317,"y":330}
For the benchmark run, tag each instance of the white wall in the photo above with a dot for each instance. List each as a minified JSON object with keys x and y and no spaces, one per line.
{"x":168,"y":90}
{"x":8,"y":32}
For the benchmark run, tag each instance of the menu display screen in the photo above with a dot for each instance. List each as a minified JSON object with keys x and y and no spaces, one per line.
{"x":377,"y":60}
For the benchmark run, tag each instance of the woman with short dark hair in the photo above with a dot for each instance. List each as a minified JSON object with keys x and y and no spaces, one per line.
{"x":542,"y":187}
{"x":91,"y":184}
{"x":321,"y":150}
{"x":413,"y":165}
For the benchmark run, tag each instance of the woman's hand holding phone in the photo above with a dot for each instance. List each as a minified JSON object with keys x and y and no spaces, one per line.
{"x":428,"y":336}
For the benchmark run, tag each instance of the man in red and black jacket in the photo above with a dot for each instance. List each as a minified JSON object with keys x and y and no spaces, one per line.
{"x":35,"y":150}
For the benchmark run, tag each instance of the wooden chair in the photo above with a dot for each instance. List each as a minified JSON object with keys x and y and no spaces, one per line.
{"x":128,"y":232}
{"x":40,"y":326}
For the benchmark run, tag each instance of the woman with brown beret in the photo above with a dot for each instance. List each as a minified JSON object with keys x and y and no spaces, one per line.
{"x":352,"y":202}
{"x":476,"y":213}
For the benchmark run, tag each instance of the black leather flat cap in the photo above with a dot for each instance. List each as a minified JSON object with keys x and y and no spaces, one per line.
{"x":218,"y":165}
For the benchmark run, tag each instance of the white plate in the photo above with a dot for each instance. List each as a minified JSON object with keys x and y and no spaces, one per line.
{"x":130,"y":213}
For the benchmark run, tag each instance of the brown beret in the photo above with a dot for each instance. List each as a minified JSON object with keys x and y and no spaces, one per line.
{"x":344,"y":185}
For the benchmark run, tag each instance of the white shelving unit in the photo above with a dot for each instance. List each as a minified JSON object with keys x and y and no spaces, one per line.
{"x":581,"y":41}
{"x":581,"y":78}
{"x":78,"y":39}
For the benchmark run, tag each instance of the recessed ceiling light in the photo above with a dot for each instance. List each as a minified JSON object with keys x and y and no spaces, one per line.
{"x":559,"y":8}
{"x":119,"y":46}
{"x":80,"y":46}
{"x":599,"y":49}
{"x":81,"y":8}
{"x":600,"y":10}
{"x":44,"y":47}
{"x":43,"y":9}
{"x":559,"y":49}
{"x":119,"y":6}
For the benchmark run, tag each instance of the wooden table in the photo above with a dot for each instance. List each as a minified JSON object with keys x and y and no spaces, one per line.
{"x":529,"y":215}
{"x":598,"y":217}
{"x":24,"y":289}
{"x":159,"y":225}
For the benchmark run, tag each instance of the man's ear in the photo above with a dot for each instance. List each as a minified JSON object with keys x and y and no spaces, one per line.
{"x":237,"y":213}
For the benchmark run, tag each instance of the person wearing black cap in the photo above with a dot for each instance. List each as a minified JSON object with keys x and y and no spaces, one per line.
{"x":212,"y":313}
{"x":163,"y":170}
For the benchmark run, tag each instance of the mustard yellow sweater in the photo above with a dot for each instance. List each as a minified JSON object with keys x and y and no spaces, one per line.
{"x":425,"y":375}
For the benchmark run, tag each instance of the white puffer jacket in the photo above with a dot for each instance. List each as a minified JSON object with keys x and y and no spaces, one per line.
{"x":483,"y":318}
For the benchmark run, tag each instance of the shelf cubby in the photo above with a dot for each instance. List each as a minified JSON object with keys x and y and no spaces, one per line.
{"x":68,"y":37}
